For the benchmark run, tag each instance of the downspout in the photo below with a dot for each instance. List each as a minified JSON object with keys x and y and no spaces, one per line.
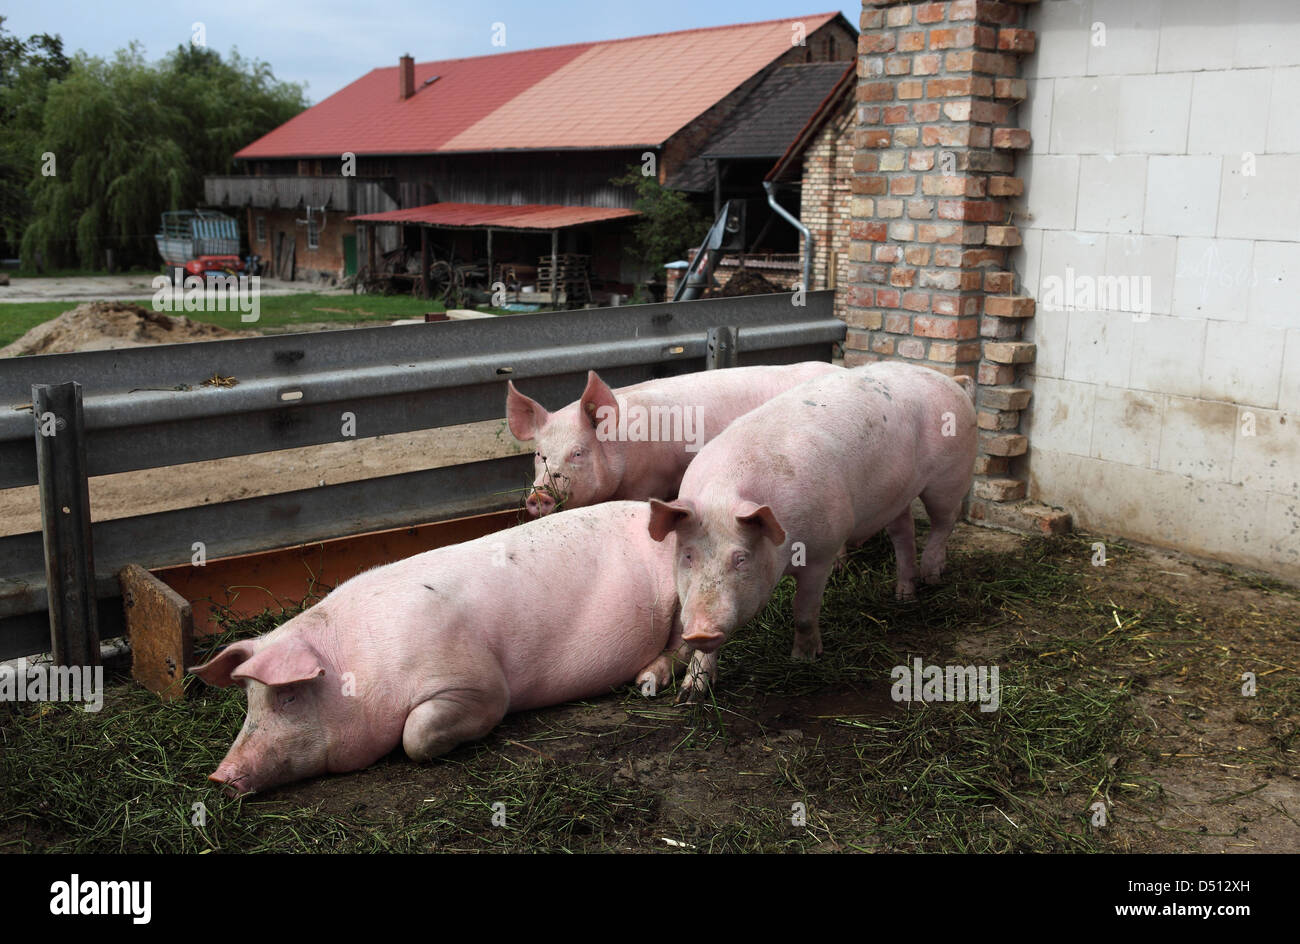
{"x":793,"y":221}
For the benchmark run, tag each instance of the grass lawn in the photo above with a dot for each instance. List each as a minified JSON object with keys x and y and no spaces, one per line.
{"x":278,"y":312}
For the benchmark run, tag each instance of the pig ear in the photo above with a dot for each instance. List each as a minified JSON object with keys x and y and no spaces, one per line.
{"x":598,"y":395}
{"x":665,"y":517}
{"x":217,"y":670}
{"x":525,"y":416}
{"x":282,"y":663}
{"x":761,"y":515}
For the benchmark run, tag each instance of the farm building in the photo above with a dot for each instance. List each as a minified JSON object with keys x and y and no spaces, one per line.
{"x":1091,"y":206}
{"x":442,"y":147}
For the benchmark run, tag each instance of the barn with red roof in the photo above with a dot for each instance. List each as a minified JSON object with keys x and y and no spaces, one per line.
{"x":498,"y":161}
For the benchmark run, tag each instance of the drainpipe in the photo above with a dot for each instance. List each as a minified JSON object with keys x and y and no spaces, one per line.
{"x":794,"y":221}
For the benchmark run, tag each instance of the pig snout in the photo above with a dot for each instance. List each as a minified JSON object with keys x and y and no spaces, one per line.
{"x":704,"y":638}
{"x":234,"y":782}
{"x":539,"y":503}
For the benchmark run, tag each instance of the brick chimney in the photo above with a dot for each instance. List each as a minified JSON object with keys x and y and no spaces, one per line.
{"x":406,"y":73}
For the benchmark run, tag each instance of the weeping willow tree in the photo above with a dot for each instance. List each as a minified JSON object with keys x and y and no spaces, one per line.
{"x":122,"y":140}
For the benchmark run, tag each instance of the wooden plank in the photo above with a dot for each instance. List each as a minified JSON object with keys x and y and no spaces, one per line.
{"x":160,"y":625}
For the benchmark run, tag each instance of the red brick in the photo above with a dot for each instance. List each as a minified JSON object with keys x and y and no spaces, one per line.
{"x":1007,"y":444}
{"x":940,"y":88}
{"x":1002,"y":236}
{"x":999,"y":283}
{"x":876,"y":42}
{"x":875,"y":139}
{"x":1016,"y":40}
{"x":898,"y":65}
{"x":911,"y":42}
{"x":902,"y":186}
{"x":979,"y":211}
{"x":911,"y":347}
{"x":926,"y":65}
{"x":984,"y":465}
{"x":973,"y":258}
{"x":995,"y":374}
{"x":1009,"y":306}
{"x":920,"y":160}
{"x":920,"y":209}
{"x":902,"y":278}
{"x":931,"y":13}
{"x":954,"y":352}
{"x":1000,"y":489}
{"x":887,"y":298}
{"x":916,"y":301}
{"x":1011,"y":88}
{"x":910,"y":89}
{"x":926,"y":111}
{"x":917,"y":255}
{"x":1005,"y":186}
{"x":1004,"y":398}
{"x":932,"y":326}
{"x":1010,"y":352}
{"x":888,"y":253}
{"x":898,"y":323}
{"x":876,"y":92}
{"x":872,"y":185}
{"x":1011,"y":138}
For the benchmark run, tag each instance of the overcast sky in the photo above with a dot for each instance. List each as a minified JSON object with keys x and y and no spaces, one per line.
{"x":329,"y":43}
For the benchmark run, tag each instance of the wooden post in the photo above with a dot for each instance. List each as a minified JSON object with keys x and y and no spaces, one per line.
{"x":721,"y":348}
{"x":424,"y":261}
{"x":555,"y":266}
{"x":65,"y":523}
{"x":371,"y":232}
{"x":490,"y":273}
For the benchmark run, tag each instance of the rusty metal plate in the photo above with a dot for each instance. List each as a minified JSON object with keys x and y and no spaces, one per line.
{"x":244,"y":586}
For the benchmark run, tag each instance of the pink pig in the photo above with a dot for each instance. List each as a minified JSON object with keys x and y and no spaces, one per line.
{"x":783,"y":488}
{"x":635,"y":442}
{"x":434,"y":650}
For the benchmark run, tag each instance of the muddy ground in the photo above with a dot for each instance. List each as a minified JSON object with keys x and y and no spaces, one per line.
{"x":1120,"y":685}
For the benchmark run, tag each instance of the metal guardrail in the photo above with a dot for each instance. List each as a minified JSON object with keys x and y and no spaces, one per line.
{"x":148,"y":408}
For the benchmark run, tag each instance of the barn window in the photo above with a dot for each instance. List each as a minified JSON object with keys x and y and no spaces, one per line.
{"x":261,"y":230}
{"x":313,"y":235}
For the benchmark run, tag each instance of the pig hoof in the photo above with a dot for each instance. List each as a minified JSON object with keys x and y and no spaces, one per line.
{"x":805,"y":653}
{"x":933,"y":579}
{"x":905,"y":594}
{"x":694,"y":691}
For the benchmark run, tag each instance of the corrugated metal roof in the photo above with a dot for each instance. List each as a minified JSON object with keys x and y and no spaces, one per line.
{"x":633,"y":92}
{"x":477,"y":215}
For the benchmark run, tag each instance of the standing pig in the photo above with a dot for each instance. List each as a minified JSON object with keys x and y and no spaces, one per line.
{"x":434,"y":650}
{"x":635,"y":442}
{"x":787,"y":485}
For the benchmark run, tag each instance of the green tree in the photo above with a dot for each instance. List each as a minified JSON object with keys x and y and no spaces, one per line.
{"x":132,"y":139}
{"x":27,"y":70}
{"x":668,"y":226}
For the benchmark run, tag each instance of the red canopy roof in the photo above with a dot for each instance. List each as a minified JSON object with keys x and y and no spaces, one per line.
{"x":478,"y":215}
{"x":633,"y":92}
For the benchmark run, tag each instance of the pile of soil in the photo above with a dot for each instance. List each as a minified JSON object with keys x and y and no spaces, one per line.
{"x":745,"y":282}
{"x":102,"y":326}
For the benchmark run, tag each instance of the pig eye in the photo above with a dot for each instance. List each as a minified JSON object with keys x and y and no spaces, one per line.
{"x":576,"y":454}
{"x":738,"y":559}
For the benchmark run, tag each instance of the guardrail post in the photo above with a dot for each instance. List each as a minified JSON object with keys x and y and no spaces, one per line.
{"x":721,"y":349}
{"x":65,"y":523}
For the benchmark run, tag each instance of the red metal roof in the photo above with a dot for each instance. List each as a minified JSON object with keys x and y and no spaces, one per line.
{"x":634,"y":92}
{"x":476,"y":215}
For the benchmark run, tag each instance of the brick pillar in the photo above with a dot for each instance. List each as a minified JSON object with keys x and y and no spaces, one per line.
{"x":932,"y":226}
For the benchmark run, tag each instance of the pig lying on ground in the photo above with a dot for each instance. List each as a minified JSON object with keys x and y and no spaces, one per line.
{"x":785,"y":486}
{"x":434,"y":650}
{"x":635,"y":442}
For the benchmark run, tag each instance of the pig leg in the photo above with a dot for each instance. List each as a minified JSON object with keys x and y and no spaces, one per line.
{"x":943,"y":518}
{"x":436,"y":726}
{"x":810,"y":587}
{"x":701,"y":674}
{"x":902,"y":532}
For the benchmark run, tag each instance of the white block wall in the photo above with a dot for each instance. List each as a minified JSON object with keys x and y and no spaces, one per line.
{"x":1172,"y":151}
